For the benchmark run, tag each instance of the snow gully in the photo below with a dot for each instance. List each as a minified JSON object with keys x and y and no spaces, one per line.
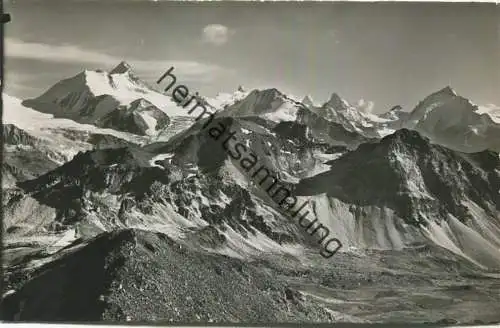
{"x":181,"y":94}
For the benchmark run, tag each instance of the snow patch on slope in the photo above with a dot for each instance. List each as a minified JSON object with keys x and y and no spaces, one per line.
{"x":224,"y":99}
{"x":150,"y":122}
{"x":285,"y":113}
{"x":160,"y":157}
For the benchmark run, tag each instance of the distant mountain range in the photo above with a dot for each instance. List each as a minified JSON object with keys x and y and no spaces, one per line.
{"x":104,"y":174}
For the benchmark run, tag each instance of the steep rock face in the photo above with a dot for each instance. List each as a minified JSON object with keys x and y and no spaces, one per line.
{"x":396,"y":113}
{"x":75,"y":99}
{"x":396,"y":118}
{"x":286,"y":148}
{"x":12,"y":135}
{"x":112,"y":188}
{"x":355,"y":118}
{"x":83,"y":188}
{"x":260,"y":102}
{"x":335,"y":105}
{"x":25,"y":156}
{"x":404,"y":190}
{"x":24,"y":215}
{"x":139,"y":117}
{"x":455,"y":122}
{"x":103,"y":141}
{"x":121,"y":68}
{"x":330,"y":132}
{"x":20,"y":164}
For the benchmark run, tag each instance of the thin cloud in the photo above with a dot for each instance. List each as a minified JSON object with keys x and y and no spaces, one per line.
{"x":18,"y":84}
{"x":216,"y":34}
{"x":16,"y":48}
{"x":366,"y":106}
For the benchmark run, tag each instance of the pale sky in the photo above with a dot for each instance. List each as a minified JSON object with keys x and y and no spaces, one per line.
{"x":389,"y":53}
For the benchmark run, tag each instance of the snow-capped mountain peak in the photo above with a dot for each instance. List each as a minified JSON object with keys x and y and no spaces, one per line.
{"x":454,"y":121}
{"x":223,"y":99}
{"x":337,"y":102}
{"x":268,"y":102}
{"x":308,"y":101}
{"x":91,"y":95}
{"x":354,"y":118}
{"x":447,"y":91}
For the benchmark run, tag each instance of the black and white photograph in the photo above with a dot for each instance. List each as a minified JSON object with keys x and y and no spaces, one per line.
{"x":250,"y":163}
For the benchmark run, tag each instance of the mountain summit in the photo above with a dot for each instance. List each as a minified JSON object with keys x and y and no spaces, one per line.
{"x":454,"y":121}
{"x":94,"y":97}
{"x":122,"y":67}
{"x":308,"y":101}
{"x":337,"y":102}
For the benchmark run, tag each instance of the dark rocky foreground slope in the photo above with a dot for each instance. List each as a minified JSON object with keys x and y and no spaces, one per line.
{"x":142,"y":276}
{"x":134,"y":275}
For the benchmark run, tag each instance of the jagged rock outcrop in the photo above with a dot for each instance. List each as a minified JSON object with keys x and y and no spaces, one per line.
{"x":139,"y":117}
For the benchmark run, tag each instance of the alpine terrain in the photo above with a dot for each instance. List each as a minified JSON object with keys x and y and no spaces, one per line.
{"x":118,"y":205}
